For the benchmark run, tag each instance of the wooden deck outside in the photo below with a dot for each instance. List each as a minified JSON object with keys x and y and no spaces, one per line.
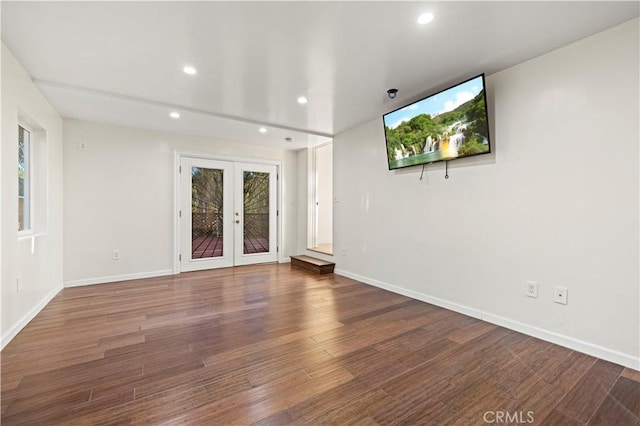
{"x":256,"y":245}
{"x":211,"y":246}
{"x":206,"y":246}
{"x":271,"y":345}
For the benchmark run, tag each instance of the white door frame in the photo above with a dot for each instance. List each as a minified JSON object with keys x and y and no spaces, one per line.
{"x":177,"y":159}
{"x":186,"y":225}
{"x":312,"y":187}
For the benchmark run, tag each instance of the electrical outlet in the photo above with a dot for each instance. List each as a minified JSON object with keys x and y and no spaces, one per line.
{"x":532,"y":289}
{"x":343,"y":251}
{"x":336,"y":198}
{"x":115,"y":255}
{"x":82,"y":146}
{"x":560,"y":295}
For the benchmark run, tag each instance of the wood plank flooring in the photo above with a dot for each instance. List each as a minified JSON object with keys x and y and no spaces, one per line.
{"x":269,"y":345}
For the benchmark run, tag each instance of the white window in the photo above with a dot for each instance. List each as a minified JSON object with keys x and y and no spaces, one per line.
{"x":24,"y":179}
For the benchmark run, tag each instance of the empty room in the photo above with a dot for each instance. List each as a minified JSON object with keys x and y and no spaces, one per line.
{"x":331,"y":212}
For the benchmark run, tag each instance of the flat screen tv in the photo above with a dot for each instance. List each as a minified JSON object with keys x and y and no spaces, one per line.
{"x":447,"y":125}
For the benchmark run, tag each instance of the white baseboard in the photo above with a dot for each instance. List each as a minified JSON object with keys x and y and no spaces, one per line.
{"x":15,"y":329}
{"x":565,"y":341}
{"x":115,"y":278}
{"x":285,"y":260}
{"x":559,"y":339}
{"x":465,"y":310}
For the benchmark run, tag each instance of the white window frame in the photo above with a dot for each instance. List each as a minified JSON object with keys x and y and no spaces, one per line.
{"x":28,"y":179}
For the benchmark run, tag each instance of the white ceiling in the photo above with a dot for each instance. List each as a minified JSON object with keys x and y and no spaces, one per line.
{"x":121,"y":62}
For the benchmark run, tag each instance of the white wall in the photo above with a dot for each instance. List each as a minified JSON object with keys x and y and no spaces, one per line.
{"x":119,"y":195}
{"x":556,"y":203}
{"x":324,"y":192}
{"x":40,"y":270}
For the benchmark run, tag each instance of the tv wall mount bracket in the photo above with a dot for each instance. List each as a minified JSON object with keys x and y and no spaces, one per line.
{"x":446,"y":170}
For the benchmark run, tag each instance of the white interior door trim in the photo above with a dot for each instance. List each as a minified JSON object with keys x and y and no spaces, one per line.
{"x":177,"y":159}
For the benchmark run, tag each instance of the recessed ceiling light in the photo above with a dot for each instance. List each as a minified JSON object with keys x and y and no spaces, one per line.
{"x":262,"y":130}
{"x":175,"y":115}
{"x":302,"y":100}
{"x":425,"y":18}
{"x":189,"y":70}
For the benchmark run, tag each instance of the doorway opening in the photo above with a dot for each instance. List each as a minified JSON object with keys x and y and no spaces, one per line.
{"x":321,"y":235}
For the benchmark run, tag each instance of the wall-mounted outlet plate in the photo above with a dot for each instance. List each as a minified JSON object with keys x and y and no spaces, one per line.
{"x":560,"y":295}
{"x":531,"y":289}
{"x":115,"y":255}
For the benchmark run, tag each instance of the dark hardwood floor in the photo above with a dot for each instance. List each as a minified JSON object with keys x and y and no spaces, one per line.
{"x":269,"y":345}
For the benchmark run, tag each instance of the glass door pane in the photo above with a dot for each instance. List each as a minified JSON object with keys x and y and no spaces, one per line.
{"x":207,"y":207}
{"x":256,"y":212}
{"x":206,"y":214}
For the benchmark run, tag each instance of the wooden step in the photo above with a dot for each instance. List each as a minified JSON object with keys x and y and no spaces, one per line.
{"x":312,"y":264}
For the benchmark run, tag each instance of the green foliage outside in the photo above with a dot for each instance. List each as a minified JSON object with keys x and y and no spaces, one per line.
{"x":23,"y":165}
{"x":22,"y":150}
{"x":207,"y":203}
{"x":256,"y":192}
{"x":206,"y":190}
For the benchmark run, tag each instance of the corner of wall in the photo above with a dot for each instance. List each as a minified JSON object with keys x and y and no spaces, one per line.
{"x":31,"y":267}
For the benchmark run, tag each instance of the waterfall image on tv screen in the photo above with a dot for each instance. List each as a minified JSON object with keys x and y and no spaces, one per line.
{"x":448,"y":125}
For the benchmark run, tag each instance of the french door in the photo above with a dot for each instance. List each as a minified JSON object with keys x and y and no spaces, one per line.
{"x":228,"y":213}
{"x":255,"y":213}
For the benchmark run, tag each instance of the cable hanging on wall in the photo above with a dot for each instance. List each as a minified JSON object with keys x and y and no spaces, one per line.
{"x":446,"y":170}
